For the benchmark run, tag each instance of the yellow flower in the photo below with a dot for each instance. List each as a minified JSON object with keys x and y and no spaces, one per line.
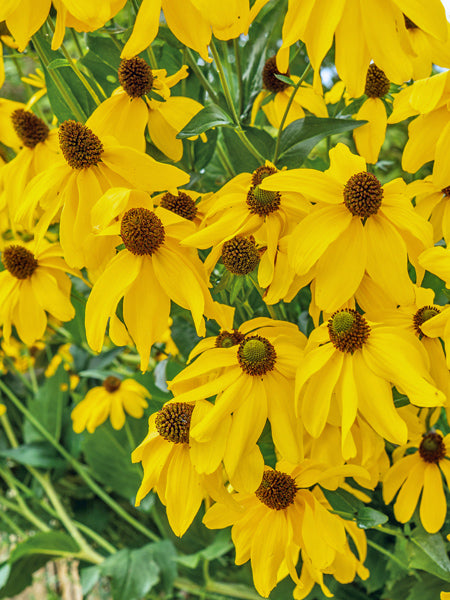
{"x":349,"y":368}
{"x":129,"y":110}
{"x":112,"y":399}
{"x":24,"y":17}
{"x":286,"y":515}
{"x":242,"y":208}
{"x":2,"y":409}
{"x":33,"y":284}
{"x":357,"y":228}
{"x":63,"y":356}
{"x":427,"y":50}
{"x":305,"y":97}
{"x":191,"y":22}
{"x":166,"y":456}
{"x":421,"y":472}
{"x":427,"y":98}
{"x":363,"y":31}
{"x":148,"y":273}
{"x":39,"y":149}
{"x":252,"y":372}
{"x":8,"y":134}
{"x":88,"y":166}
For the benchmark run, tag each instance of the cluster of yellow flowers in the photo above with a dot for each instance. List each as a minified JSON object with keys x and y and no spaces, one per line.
{"x":84,"y":201}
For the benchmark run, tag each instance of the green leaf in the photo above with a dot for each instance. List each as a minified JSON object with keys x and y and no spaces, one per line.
{"x":284,"y":79}
{"x":69,"y":81}
{"x":58,"y":63}
{"x":220,"y":546}
{"x":300,"y":137}
{"x":267,"y":447}
{"x":343,"y":502}
{"x":369,"y":517}
{"x":52,"y":543}
{"x":37,"y":454}
{"x":133,"y":573}
{"x":108,"y":453}
{"x":165,"y":556}
{"x":239,"y":156}
{"x":427,"y":551}
{"x":208,"y":117}
{"x":48,"y":406}
{"x":89,"y":576}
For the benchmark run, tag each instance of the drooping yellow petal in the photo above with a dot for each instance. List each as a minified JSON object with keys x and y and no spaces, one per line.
{"x":145,"y":28}
{"x":409,"y":494}
{"x":433,"y":506}
{"x":370,"y":137}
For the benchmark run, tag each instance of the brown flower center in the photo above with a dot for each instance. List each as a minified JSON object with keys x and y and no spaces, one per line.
{"x":30,"y":128}
{"x":377,"y":84}
{"x":173,"y":422}
{"x":240,"y":255}
{"x":256,"y":355}
{"x":363,"y":194}
{"x":270,"y":81}
{"x":262,"y":202}
{"x":135,"y":76}
{"x":142,"y":231}
{"x":446,"y":191}
{"x":111,"y":383}
{"x":348,"y":330}
{"x":261,"y":173}
{"x":277,"y":490}
{"x":432,"y":448}
{"x":225,"y":339}
{"x":80,"y":146}
{"x":182,"y":205}
{"x":422,"y":315}
{"x":19,"y":261}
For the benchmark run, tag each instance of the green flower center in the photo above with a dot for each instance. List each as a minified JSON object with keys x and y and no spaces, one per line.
{"x":256,"y":355}
{"x":30,"y":128}
{"x":348,"y":330}
{"x":422,"y":315}
{"x":363,"y":194}
{"x":111,"y":383}
{"x":261,"y":173}
{"x":173,"y":422}
{"x":142,"y":231}
{"x":225,"y":339}
{"x":377,"y":84}
{"x":182,"y":205}
{"x":432,"y":448}
{"x":277,"y":490}
{"x":80,"y":146}
{"x":240,"y":255}
{"x":270,"y":81}
{"x":135,"y":76}
{"x":19,"y":261}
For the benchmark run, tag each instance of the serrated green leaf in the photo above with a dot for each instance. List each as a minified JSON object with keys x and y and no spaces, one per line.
{"x":208,"y":117}
{"x":133,"y":573}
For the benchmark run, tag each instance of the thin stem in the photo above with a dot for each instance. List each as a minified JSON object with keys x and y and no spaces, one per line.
{"x":216,"y":590}
{"x":388,"y":554}
{"x":190,"y":59}
{"x":20,"y":375}
{"x":152,"y":58}
{"x":237,"y":56}
{"x":24,"y":512}
{"x":17,"y":530}
{"x":260,"y":291}
{"x":76,"y":70}
{"x":225,"y":160}
{"x":32,"y":373}
{"x":76,"y":111}
{"x":79,"y":468}
{"x":77,"y":42}
{"x":389,"y":531}
{"x":288,"y":106}
{"x":226,"y":90}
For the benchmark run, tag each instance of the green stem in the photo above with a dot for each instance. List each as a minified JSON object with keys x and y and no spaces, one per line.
{"x":226,"y":90}
{"x":17,"y":373}
{"x":389,"y":531}
{"x":25,"y":512}
{"x":79,"y":468}
{"x":17,"y":530}
{"x":225,"y":160}
{"x":32,"y":373}
{"x":288,"y":106}
{"x":237,"y":56}
{"x":152,"y":58}
{"x":388,"y":554}
{"x":76,"y":111}
{"x":270,"y":308}
{"x":77,"y":42}
{"x":190,"y":59}
{"x":216,"y":590}
{"x":76,"y":70}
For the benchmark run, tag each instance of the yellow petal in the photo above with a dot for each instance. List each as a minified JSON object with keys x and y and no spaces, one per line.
{"x":433,"y":506}
{"x":370,"y":137}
